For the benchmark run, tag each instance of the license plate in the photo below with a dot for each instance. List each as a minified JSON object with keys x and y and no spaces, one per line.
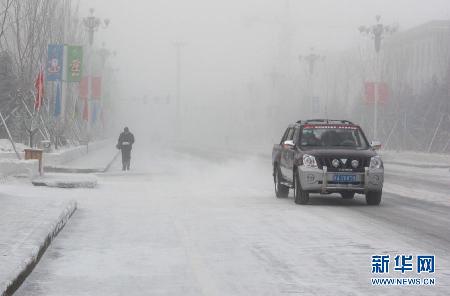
{"x":344,"y":178}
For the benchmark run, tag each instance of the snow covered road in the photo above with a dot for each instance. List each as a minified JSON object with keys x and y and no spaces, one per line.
{"x":179,"y":224}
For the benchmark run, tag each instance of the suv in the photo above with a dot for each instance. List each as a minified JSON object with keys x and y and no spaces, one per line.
{"x":327,"y":156}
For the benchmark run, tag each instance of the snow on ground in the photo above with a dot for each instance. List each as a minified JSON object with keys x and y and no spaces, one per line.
{"x":98,"y":158}
{"x":179,"y":224}
{"x":416,"y":158}
{"x":6,"y":146}
{"x":25,"y":223}
{"x":66,"y":180}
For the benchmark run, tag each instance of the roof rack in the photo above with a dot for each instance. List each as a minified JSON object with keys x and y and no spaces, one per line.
{"x":326,"y":121}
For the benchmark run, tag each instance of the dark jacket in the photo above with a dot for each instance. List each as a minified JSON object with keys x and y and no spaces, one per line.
{"x":126,"y":141}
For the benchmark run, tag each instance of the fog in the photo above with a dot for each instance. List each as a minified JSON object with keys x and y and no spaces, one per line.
{"x":241,"y":81}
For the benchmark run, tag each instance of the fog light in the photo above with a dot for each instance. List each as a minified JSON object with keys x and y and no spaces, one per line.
{"x":310,"y":178}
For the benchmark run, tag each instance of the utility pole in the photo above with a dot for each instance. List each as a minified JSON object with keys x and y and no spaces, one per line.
{"x":178,"y":46}
{"x":92,"y":24}
{"x":376,"y":32}
{"x":311,"y":59}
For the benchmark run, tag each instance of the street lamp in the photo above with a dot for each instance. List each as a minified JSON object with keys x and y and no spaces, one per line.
{"x":377,"y":32}
{"x":311,"y":59}
{"x":92,"y":24}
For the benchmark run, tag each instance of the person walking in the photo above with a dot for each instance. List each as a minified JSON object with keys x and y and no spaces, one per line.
{"x":125,"y":143}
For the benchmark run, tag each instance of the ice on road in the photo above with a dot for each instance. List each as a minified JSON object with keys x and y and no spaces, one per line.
{"x":184,"y":225}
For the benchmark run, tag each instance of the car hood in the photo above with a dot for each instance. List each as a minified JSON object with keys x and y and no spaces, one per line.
{"x":341,"y":152}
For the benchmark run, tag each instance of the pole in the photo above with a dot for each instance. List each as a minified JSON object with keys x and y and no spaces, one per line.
{"x":178,"y":46}
{"x":376,"y":97}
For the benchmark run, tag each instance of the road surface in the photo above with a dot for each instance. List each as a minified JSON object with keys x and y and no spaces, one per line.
{"x":179,"y":224}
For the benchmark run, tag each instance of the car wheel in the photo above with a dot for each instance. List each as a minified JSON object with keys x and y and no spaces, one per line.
{"x":347,"y":195}
{"x":300,"y":196}
{"x":373,"y":198}
{"x":280,"y":189}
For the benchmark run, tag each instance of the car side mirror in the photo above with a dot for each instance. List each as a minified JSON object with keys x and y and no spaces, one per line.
{"x":375,"y":145}
{"x":288,"y":144}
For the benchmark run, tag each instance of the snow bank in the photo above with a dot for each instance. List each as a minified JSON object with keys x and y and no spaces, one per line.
{"x":69,"y":154}
{"x":6,"y":146}
{"x":15,"y":167}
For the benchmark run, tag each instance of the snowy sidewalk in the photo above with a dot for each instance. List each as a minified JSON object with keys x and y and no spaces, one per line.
{"x":95,"y":161}
{"x":27,"y":226}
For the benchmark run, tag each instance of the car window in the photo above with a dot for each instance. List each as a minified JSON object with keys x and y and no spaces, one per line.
{"x":284,"y":136}
{"x":325,"y":136}
{"x":291,"y":134}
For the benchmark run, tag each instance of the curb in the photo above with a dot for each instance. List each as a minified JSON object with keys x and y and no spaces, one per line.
{"x":30,"y":263}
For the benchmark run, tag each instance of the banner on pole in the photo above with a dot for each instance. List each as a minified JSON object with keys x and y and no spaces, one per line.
{"x":54,"y":67}
{"x":39,"y":85}
{"x":369,"y":92}
{"x":96,"y":88}
{"x":84,"y":84}
{"x":74,"y":63}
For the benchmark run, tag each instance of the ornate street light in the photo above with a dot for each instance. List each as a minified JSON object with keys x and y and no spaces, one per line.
{"x":311,"y":60}
{"x":377,"y":32}
{"x":92,"y":24}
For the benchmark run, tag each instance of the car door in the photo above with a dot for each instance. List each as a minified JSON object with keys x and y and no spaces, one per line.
{"x":287,"y":156}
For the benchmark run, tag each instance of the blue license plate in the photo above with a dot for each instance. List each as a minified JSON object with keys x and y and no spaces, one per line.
{"x":344,"y":178}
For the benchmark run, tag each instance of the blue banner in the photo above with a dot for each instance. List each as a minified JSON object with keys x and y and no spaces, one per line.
{"x":54,"y":66}
{"x":57,"y":111}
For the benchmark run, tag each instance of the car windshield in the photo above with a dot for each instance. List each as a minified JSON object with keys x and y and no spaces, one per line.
{"x":333,"y":136}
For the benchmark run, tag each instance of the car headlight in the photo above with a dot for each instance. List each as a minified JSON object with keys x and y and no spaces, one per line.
{"x":375,"y":162}
{"x":309,"y":161}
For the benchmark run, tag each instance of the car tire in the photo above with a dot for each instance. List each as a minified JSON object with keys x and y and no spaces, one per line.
{"x":281,"y":191}
{"x":373,"y":198}
{"x":347,"y":195}
{"x":300,"y":197}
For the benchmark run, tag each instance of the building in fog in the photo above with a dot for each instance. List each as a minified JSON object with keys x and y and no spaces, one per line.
{"x":418,"y":57}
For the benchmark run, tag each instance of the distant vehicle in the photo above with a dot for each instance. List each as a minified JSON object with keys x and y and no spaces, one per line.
{"x":327,"y":156}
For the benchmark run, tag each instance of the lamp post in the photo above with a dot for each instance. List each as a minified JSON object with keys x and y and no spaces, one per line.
{"x":311,"y":59}
{"x":92,"y":24}
{"x":178,"y":46}
{"x":377,"y":32}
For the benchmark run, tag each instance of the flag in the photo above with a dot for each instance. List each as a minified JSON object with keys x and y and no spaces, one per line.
{"x":57,"y":111}
{"x":39,"y":85}
{"x":96,"y":88}
{"x":369,"y":91}
{"x":84,"y":87}
{"x":54,"y":62}
{"x":74,"y":63}
{"x":382,"y":92}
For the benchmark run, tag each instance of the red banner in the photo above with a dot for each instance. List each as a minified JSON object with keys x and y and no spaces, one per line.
{"x":96,"y":88}
{"x":84,"y":87}
{"x":369,"y":92}
{"x":39,"y":85}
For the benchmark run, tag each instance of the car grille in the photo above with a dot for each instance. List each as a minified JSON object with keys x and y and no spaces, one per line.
{"x":327,"y":161}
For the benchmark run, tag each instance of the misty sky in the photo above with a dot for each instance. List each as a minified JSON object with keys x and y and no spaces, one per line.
{"x":230,"y":43}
